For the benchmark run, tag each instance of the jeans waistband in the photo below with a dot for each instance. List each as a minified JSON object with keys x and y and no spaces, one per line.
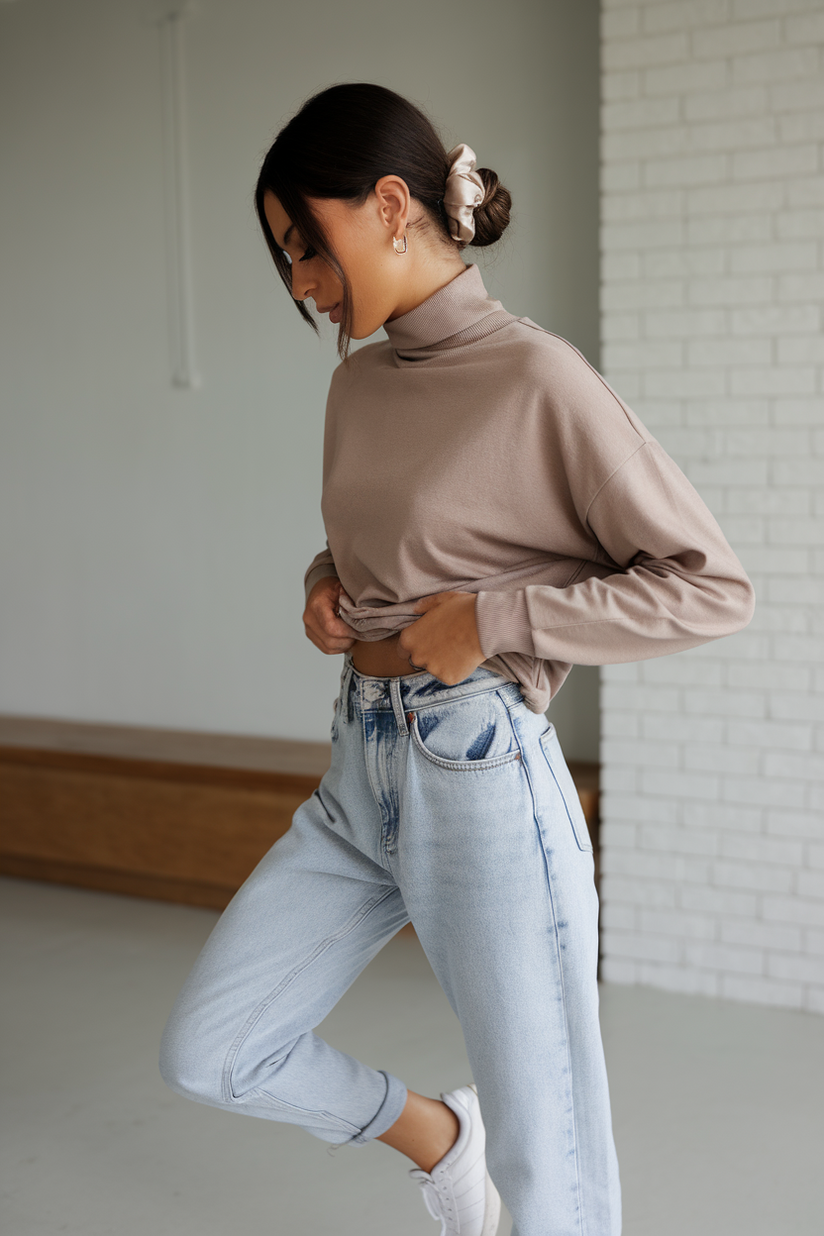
{"x":411,"y":692}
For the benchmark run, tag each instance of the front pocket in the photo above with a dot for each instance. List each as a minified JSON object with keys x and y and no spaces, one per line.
{"x":562,"y":777}
{"x":472,"y":734}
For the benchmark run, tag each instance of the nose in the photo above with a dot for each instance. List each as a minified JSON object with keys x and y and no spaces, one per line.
{"x":303,"y":285}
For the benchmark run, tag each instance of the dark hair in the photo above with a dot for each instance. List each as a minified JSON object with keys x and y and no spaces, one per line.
{"x":340,"y":143}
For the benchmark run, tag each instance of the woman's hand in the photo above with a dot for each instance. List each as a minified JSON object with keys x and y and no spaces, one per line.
{"x":445,"y":639}
{"x":320,"y":618}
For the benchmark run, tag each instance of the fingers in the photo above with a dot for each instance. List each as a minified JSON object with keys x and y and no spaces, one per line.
{"x":326,"y":641}
{"x":332,"y":621}
{"x":330,"y":646}
{"x":324,"y":627}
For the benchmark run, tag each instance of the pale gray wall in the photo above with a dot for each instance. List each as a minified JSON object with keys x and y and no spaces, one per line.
{"x":154,"y":539}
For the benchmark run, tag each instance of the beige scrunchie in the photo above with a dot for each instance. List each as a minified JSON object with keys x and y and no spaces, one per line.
{"x":464,"y":191}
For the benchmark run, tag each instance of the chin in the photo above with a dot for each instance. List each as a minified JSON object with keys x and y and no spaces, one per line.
{"x":363,"y":332}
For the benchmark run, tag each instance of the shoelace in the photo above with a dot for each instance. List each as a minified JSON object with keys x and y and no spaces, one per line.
{"x":431,"y":1195}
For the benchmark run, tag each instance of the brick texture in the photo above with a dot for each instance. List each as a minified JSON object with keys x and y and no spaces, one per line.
{"x":712,"y":244}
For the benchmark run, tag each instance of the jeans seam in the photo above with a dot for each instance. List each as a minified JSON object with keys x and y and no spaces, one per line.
{"x":566,"y":1031}
{"x":346,"y":1126}
{"x":568,"y":1055}
{"x":585,"y":849}
{"x":537,"y":823}
{"x":286,"y":981}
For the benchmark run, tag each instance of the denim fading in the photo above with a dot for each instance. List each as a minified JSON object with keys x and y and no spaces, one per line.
{"x":452,"y":807}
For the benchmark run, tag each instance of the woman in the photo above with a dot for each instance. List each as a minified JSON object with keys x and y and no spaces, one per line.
{"x":494,"y":513}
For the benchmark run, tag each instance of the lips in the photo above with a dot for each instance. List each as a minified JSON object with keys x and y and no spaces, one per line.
{"x":335,"y":311}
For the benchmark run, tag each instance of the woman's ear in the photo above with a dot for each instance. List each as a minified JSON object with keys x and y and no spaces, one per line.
{"x":394,"y":201}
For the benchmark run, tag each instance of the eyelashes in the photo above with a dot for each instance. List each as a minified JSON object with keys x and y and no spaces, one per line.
{"x":307,"y":256}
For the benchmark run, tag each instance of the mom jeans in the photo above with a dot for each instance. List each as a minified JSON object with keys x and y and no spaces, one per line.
{"x":451,"y":807}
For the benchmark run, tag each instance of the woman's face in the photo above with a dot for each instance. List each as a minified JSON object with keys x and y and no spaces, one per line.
{"x":362,"y":239}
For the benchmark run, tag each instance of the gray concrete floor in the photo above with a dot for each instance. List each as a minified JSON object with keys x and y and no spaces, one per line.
{"x":717,"y":1106}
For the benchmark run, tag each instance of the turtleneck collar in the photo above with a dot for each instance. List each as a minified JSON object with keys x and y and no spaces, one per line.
{"x":460,"y":312}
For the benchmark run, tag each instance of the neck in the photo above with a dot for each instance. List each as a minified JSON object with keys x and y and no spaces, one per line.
{"x":423,"y":278}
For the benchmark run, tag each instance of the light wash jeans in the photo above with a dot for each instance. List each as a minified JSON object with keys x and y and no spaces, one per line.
{"x":451,"y":806}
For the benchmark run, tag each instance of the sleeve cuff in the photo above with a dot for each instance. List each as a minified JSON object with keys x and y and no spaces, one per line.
{"x":319,"y":572}
{"x":503,"y":623}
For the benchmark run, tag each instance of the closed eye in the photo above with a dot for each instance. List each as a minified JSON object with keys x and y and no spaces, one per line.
{"x":308,"y":254}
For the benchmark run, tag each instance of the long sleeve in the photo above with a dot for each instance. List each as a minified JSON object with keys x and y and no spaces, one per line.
{"x":476,"y":451}
{"x":322,"y":564}
{"x":674,"y":583}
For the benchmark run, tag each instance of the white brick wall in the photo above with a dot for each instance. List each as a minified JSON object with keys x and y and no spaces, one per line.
{"x":713,"y":282}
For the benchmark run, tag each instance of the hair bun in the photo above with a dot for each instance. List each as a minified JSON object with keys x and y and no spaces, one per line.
{"x":474,"y":196}
{"x":492,"y":215}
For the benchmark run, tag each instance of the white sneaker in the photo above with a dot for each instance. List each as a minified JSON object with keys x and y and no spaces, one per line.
{"x":458,"y":1190}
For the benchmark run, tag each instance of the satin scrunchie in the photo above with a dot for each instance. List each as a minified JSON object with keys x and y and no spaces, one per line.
{"x":464,"y":191}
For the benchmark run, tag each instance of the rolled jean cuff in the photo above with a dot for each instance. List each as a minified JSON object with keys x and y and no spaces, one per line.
{"x":390,"y":1109}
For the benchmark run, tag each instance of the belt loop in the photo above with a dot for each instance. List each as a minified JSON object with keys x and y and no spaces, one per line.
{"x":344,"y":689}
{"x":397,"y":704}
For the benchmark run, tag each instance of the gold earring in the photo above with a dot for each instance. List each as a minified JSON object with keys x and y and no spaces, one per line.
{"x":396,"y":242}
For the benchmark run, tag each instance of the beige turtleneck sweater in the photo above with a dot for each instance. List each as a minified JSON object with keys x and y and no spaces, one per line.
{"x":475,"y":451}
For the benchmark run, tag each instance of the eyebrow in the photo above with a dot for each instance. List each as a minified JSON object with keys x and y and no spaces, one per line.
{"x":289,"y":232}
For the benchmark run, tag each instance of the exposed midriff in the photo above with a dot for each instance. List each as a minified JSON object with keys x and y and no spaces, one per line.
{"x":382,"y":658}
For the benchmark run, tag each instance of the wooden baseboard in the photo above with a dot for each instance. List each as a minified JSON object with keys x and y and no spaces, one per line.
{"x":179,"y":833}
